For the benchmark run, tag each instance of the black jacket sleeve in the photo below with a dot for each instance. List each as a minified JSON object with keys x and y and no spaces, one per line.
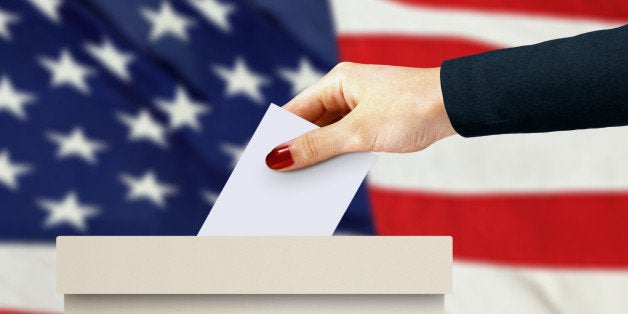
{"x":571,"y":83}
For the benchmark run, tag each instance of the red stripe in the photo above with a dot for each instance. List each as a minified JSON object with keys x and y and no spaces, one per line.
{"x":607,"y":9}
{"x":579,"y":229}
{"x":405,"y":50}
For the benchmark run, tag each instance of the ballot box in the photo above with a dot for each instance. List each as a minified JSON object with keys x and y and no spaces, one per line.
{"x":340,"y":274}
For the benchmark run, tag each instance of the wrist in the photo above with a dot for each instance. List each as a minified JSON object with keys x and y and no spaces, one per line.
{"x":442,"y":123}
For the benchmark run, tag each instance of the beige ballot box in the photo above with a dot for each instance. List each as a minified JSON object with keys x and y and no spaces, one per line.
{"x":227,"y":275}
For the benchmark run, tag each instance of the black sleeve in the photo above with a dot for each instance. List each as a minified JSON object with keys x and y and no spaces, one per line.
{"x":571,"y":83}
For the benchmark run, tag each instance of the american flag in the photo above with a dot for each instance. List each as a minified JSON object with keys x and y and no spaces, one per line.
{"x":126,"y":117}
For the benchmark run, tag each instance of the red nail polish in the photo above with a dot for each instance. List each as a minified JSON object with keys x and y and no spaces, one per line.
{"x":279,"y":158}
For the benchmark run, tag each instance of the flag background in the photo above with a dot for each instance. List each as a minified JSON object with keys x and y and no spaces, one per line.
{"x":538,"y":220}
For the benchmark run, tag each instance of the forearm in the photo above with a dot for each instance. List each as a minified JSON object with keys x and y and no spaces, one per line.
{"x":572,"y":83}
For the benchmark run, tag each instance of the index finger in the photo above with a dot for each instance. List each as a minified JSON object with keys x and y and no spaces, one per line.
{"x":319,"y":100}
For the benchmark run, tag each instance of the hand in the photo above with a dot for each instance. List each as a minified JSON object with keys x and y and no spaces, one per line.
{"x":362,"y":107}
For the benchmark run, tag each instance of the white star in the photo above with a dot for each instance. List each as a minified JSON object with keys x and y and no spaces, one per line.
{"x":148,"y":188}
{"x":209,"y":196}
{"x":6,"y":18}
{"x":13,"y":100}
{"x":241,"y":80}
{"x":69,"y":211}
{"x":10,"y":171}
{"x":302,"y":77}
{"x":67,"y":71}
{"x":214,"y":12}
{"x":235,"y":151}
{"x":76,"y":144}
{"x":49,"y":8}
{"x":182,"y":110}
{"x":114,"y":60}
{"x":167,"y":21}
{"x":144,"y":127}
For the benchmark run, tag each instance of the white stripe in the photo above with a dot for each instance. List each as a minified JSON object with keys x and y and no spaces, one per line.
{"x":490,"y":289}
{"x":504,"y":30}
{"x":27,"y":278}
{"x":590,"y":160}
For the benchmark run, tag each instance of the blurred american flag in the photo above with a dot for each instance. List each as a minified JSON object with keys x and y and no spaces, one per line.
{"x":126,"y":117}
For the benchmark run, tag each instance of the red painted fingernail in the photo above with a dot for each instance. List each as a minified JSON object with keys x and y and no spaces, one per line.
{"x":279,"y":158}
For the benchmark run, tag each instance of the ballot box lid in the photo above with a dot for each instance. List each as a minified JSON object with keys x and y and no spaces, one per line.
{"x":254,"y":265}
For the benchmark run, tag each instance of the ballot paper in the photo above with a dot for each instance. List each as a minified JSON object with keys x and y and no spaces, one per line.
{"x":259,"y":201}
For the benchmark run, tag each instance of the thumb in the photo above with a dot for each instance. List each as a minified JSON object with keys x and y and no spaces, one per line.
{"x":310,"y":148}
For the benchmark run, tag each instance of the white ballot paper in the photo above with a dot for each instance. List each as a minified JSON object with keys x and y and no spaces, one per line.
{"x":259,"y":201}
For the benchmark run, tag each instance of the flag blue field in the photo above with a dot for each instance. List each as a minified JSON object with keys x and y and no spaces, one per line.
{"x":127,"y":117}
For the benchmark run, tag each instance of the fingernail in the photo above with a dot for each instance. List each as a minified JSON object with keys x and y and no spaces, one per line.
{"x":279,"y":158}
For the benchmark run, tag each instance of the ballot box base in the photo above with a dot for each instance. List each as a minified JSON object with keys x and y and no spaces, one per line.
{"x":266,"y":304}
{"x":340,"y":274}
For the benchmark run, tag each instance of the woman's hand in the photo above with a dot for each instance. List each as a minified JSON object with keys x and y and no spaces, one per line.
{"x":362,"y":107}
